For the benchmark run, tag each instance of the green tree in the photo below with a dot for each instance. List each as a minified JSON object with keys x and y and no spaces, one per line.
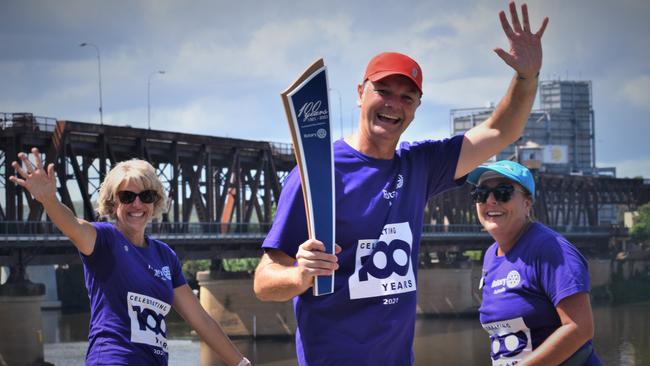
{"x":640,"y":232}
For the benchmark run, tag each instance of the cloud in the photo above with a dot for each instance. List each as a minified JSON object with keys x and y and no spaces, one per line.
{"x":467,"y":92}
{"x":227,"y":62}
{"x":637,"y":91}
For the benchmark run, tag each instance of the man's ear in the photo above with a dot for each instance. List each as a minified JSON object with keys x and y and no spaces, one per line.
{"x":359,"y":94}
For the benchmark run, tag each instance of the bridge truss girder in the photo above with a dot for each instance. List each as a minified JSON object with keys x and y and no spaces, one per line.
{"x":207,"y":179}
{"x":560,"y":201}
{"x":232,"y":180}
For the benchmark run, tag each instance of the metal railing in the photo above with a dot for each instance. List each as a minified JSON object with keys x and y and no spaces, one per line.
{"x":10,"y":230}
{"x":282,"y":148}
{"x":26,"y":121}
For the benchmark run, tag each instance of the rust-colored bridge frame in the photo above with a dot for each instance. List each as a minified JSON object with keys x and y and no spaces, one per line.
{"x":233,"y":181}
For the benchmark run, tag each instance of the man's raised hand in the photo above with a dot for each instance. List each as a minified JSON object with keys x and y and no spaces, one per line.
{"x":525,"y":55}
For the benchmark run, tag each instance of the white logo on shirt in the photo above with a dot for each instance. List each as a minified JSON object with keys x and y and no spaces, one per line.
{"x":164,"y":273}
{"x":511,"y":280}
{"x":147,"y":316}
{"x":383,"y":266}
{"x":389,"y":195}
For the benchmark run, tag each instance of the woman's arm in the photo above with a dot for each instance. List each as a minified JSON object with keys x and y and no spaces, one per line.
{"x":188,"y":306}
{"x":41,"y":184}
{"x":577,"y":328}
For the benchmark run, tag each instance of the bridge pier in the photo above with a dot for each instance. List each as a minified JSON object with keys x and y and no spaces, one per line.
{"x":232,"y":303}
{"x":449,"y":291}
{"x":21,"y":338}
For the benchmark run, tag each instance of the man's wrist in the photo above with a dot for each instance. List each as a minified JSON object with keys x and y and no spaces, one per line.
{"x":523,"y":77}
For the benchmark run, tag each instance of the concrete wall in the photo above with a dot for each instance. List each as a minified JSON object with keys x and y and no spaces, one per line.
{"x":600,"y":272}
{"x":447,"y":291}
{"x":233,"y":303}
{"x":631,"y":268}
{"x":441,"y":291}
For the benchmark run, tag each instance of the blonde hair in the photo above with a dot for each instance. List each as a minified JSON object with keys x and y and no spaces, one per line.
{"x":127,"y":171}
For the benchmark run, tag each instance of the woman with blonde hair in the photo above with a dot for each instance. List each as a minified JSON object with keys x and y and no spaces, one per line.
{"x":535,"y":283}
{"x":133,"y":280}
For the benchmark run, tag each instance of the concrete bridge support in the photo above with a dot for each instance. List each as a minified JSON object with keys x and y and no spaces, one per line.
{"x":449,"y":291}
{"x":233,"y":304}
{"x":600,"y":272}
{"x":21,"y":338}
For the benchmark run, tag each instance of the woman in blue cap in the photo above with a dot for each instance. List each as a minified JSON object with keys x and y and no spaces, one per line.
{"x":535,"y":283}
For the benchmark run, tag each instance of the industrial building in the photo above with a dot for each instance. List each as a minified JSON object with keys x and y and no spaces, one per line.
{"x":559,"y":136}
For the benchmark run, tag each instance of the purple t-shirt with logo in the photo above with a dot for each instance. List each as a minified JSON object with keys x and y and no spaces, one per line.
{"x":131,"y":290}
{"x":370,"y":317}
{"x":522,"y":288}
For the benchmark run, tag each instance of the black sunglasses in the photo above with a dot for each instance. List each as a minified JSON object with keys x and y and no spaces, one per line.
{"x":502,"y":193}
{"x":148,"y":196}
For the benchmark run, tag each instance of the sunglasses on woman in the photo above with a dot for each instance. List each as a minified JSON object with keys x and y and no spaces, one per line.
{"x":502,"y":193}
{"x":148,"y":196}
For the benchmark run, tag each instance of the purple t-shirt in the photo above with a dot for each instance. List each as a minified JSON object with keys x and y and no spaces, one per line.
{"x":522,"y":288}
{"x":370,"y":317}
{"x":131,"y":290}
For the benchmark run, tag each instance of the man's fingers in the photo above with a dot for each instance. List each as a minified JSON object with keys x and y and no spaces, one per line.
{"x":319,"y":265}
{"x":505,"y":56}
{"x":542,"y":28}
{"x":317,"y":246}
{"x":506,"y":26}
{"x":515,"y":18}
{"x":524,"y":12}
{"x":313,"y":244}
{"x":318,"y":271}
{"x":316,"y":256}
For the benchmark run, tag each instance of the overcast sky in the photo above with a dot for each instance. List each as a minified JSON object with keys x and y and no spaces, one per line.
{"x":226,"y":62}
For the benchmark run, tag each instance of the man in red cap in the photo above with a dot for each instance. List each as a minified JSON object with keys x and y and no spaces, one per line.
{"x":381,"y":191}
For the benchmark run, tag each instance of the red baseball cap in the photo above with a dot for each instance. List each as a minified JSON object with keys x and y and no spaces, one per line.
{"x":393,"y":63}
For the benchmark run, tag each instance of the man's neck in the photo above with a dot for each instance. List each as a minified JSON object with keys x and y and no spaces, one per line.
{"x":375,"y":149}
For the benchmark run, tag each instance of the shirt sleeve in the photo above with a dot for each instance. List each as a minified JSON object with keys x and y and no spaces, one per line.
{"x":562,"y":270}
{"x":441,"y":157}
{"x":178,"y":279}
{"x":289,"y":228}
{"x":104,"y":235}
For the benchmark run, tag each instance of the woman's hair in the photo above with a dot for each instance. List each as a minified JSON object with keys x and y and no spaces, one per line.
{"x":530,"y":216}
{"x":125,"y":172}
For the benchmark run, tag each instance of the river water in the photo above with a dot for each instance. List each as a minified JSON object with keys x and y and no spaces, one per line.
{"x":622,"y":339}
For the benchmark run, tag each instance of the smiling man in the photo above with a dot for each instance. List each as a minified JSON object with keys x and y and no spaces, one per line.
{"x":381,"y":191}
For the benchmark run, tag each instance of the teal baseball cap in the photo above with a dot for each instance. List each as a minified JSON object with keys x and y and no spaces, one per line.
{"x":506,"y":168}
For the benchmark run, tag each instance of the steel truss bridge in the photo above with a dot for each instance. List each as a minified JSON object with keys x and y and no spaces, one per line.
{"x":222,"y":192}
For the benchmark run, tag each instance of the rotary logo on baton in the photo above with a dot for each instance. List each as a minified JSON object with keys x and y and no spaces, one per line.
{"x":311,"y":112}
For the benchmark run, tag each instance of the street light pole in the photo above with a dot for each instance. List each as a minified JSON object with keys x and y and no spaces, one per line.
{"x":99,"y":72}
{"x":340,"y":109}
{"x":149,"y":95}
